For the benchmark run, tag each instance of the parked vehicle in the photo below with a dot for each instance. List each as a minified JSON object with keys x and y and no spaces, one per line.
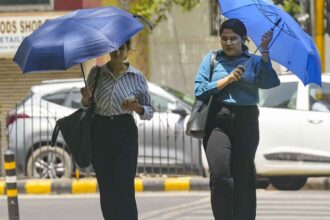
{"x":294,"y":123}
{"x":294,"y":129}
{"x":163,"y":145}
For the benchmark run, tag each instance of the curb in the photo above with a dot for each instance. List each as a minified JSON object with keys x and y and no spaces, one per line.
{"x":89,"y":185}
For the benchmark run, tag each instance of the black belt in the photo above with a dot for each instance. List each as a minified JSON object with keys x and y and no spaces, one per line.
{"x":114,"y":117}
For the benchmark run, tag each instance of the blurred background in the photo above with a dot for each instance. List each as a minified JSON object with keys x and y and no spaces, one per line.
{"x":168,"y":56}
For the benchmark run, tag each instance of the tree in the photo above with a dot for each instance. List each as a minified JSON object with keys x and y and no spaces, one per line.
{"x":156,"y":10}
{"x":290,"y":6}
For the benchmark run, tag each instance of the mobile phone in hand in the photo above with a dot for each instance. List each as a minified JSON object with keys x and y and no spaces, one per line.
{"x":130,"y":98}
{"x":241,"y":68}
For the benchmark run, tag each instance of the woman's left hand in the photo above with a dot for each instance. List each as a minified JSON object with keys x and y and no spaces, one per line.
{"x":266,"y":39}
{"x":132,"y":106}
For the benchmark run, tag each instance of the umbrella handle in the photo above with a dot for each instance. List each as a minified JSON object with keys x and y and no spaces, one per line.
{"x":144,"y":20}
{"x":82,"y":70}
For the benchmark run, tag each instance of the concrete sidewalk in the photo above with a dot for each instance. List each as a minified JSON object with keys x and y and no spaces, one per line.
{"x":89,"y":185}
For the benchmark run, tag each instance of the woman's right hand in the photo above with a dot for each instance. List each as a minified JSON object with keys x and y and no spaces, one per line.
{"x":86,"y":94}
{"x":236,"y":74}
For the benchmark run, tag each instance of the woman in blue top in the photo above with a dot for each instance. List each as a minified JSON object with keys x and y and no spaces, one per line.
{"x":233,"y":130}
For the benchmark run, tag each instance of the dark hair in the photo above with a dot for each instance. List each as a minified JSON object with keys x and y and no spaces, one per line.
{"x":129,"y":44}
{"x":235,"y":25}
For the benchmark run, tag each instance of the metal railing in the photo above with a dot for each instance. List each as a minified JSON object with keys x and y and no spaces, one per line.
{"x":164,"y":148}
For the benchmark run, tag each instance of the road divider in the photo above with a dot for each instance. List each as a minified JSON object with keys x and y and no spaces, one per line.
{"x":144,"y":184}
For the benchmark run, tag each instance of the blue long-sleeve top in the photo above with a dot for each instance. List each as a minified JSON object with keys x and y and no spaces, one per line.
{"x":257,"y":74}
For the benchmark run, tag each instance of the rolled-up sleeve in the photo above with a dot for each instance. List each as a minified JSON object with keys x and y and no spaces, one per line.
{"x":266,"y":76}
{"x":144,"y":99}
{"x":203,"y":87}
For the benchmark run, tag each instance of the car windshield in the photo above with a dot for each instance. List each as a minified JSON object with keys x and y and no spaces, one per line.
{"x":189,"y":100}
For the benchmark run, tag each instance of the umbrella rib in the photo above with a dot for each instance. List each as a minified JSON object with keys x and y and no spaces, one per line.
{"x":89,"y":27}
{"x":267,"y":14}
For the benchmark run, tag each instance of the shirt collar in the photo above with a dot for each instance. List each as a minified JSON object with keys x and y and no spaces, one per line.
{"x":130,"y":69}
{"x":221,"y":54}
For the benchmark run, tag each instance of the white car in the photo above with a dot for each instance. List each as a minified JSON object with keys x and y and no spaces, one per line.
{"x":294,"y":128}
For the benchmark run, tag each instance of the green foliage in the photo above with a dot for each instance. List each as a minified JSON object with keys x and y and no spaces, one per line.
{"x":290,"y":6}
{"x":156,"y":10}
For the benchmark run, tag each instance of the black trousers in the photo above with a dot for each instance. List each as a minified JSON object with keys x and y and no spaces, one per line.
{"x":114,"y":158}
{"x":230,"y":146}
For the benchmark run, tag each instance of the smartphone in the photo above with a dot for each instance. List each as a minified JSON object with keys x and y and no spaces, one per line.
{"x":130,"y":98}
{"x":242,"y":68}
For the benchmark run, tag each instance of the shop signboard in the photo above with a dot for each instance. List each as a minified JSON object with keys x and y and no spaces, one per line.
{"x":13,"y":29}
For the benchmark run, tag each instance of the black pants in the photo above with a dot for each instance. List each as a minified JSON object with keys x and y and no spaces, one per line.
{"x":114,"y":158}
{"x":231,"y":143}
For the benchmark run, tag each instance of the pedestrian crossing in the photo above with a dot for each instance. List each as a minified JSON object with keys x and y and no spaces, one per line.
{"x":276,"y":205}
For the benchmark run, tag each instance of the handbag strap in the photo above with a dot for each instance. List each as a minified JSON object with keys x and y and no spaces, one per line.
{"x":212,"y":64}
{"x":57,"y":127}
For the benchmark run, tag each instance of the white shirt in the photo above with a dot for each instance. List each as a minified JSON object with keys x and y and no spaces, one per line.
{"x":111,"y":92}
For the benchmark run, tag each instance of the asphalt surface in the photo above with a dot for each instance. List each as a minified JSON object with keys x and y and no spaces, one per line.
{"x":272,"y":205}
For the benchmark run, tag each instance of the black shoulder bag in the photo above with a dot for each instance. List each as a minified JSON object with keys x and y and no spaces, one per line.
{"x":76,"y":131}
{"x":196,"y":124}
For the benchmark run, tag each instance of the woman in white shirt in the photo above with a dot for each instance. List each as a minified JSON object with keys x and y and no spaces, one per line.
{"x":120,"y":91}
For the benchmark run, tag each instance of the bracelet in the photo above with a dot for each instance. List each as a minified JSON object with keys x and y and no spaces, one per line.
{"x":265,"y":51}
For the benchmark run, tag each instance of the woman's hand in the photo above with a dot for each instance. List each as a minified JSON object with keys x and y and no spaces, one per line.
{"x":266,"y":39}
{"x":236,"y":74}
{"x":86,"y":94}
{"x":133,"y":106}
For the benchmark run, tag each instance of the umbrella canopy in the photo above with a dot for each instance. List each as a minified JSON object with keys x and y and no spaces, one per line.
{"x":76,"y":37}
{"x":291,"y":46}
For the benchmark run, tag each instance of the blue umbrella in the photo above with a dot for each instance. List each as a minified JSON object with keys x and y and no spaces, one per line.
{"x":76,"y":37}
{"x":291,"y":46}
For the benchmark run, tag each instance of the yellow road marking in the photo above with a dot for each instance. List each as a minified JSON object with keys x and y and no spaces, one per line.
{"x":177,"y":184}
{"x":138,"y":183}
{"x":84,"y":186}
{"x":38,"y":187}
{"x":11,"y":192}
{"x":2,"y":188}
{"x":10,"y":165}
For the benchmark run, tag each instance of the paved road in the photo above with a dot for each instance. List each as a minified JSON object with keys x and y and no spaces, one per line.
{"x":272,"y":205}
